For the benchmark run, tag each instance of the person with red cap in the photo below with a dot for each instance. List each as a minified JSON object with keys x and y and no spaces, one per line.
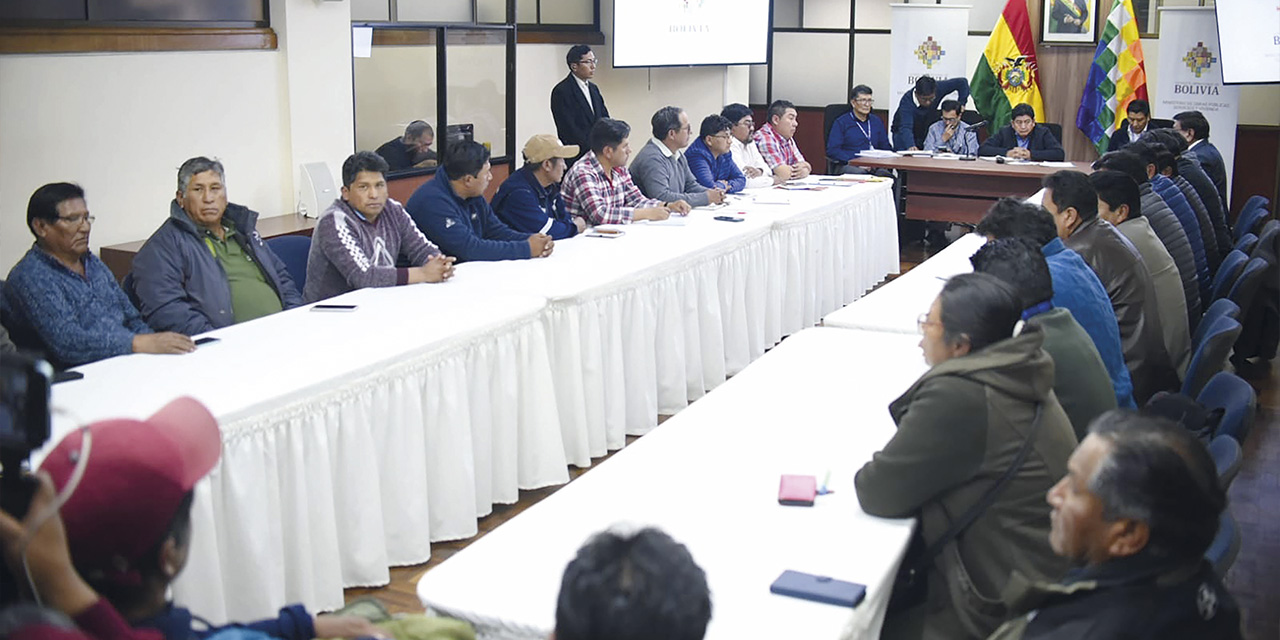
{"x":129,"y":487}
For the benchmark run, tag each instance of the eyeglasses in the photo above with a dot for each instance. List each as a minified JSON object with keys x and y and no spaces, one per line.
{"x":591,"y":62}
{"x":865,"y":101}
{"x":923,"y":321}
{"x":76,"y":221}
{"x":724,"y":135}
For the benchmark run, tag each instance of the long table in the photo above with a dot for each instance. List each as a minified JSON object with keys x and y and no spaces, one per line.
{"x":709,"y":477}
{"x":352,"y":441}
{"x":952,"y":190}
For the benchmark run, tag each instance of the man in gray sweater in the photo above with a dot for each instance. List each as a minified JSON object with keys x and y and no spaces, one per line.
{"x":360,"y":237}
{"x":661,"y":170}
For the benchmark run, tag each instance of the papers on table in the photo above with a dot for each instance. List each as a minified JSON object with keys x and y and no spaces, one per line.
{"x":919,"y":152}
{"x":877,"y":153}
{"x":1064,"y":165}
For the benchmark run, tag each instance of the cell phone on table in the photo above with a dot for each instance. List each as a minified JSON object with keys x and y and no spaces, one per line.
{"x":334,"y":307}
{"x":67,"y":376}
{"x":824,"y":589}
{"x":728,"y":219}
{"x":206,"y":340}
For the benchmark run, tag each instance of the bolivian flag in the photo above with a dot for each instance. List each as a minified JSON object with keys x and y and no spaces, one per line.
{"x":1007,"y":73}
{"x":1117,"y":77}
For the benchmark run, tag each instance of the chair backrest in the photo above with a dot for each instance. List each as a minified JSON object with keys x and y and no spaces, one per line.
{"x":1228,"y":273}
{"x":1236,"y":398}
{"x":1226,"y":545}
{"x":1267,"y":241}
{"x":1160,"y":123}
{"x":1227,"y":458}
{"x":293,"y":251}
{"x":1210,"y":355}
{"x":1055,"y":129}
{"x":1247,"y":285}
{"x":1249,"y":221}
{"x":829,"y":115}
{"x":1255,"y":202}
{"x":971,"y":117}
{"x":1246,"y":243}
{"x":1220,"y":308}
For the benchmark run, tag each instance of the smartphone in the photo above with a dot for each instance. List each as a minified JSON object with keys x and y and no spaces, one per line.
{"x":822,"y":589}
{"x":67,"y":376}
{"x":334,"y":307}
{"x":206,"y":340}
{"x":728,"y":219}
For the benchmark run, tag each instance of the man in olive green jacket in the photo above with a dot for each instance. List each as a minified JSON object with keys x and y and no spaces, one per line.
{"x":960,"y":427}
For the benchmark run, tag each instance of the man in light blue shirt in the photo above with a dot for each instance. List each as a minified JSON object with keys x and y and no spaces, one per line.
{"x":950,"y":134}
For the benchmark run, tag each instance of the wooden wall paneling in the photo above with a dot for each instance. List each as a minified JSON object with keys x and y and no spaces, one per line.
{"x":1063,"y":71}
{"x":1257,"y":166}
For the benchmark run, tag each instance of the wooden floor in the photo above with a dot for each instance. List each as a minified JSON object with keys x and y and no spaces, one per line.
{"x":1255,"y":501}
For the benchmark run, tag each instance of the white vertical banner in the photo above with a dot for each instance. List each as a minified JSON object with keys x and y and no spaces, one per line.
{"x":928,"y":39}
{"x":1189,"y":76}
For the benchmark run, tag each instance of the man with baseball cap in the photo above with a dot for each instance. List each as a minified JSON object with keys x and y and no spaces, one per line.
{"x":128,"y":518}
{"x":530,"y":199}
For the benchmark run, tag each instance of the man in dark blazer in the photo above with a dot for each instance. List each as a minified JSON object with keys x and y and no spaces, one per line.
{"x":576,"y":102}
{"x":1193,"y":126}
{"x":1024,"y":139}
{"x":1139,"y":116}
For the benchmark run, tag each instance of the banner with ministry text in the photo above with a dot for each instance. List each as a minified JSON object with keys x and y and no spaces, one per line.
{"x":928,"y":39}
{"x":1189,"y":76}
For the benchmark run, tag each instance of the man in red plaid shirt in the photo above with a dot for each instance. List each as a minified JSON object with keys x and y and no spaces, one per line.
{"x":776,"y":140}
{"x":599,"y":188}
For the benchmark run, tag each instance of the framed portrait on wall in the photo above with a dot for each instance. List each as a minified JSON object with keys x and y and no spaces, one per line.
{"x":1069,"y":22}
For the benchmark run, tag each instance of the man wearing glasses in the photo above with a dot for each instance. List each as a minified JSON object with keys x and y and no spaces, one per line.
{"x":857,"y":131}
{"x":950,"y":135}
{"x":576,"y":102}
{"x":743,"y":149}
{"x":661,"y":169}
{"x":62,"y":300}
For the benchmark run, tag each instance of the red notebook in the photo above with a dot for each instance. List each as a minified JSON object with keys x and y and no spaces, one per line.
{"x":797,"y":491}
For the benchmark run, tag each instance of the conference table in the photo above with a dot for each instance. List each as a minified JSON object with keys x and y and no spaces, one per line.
{"x":709,"y":477}
{"x":948,"y":189}
{"x":352,"y":440}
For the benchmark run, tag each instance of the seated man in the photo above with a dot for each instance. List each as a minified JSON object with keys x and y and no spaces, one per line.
{"x":662,"y":171}
{"x":1076,"y":287}
{"x":128,"y":519}
{"x":598,"y":187}
{"x":1191,"y":171}
{"x":1138,"y":116}
{"x":451,"y":210}
{"x":743,"y":148}
{"x":777,"y":143}
{"x":1167,"y":166}
{"x":1194,"y":128}
{"x":709,"y":157}
{"x":529,"y":200}
{"x":916,"y":111}
{"x":61,"y":299}
{"x":364,"y":234}
{"x":950,"y":134}
{"x":413,"y":149}
{"x":1079,"y":376}
{"x":1120,"y":204}
{"x":857,"y":130}
{"x":1073,"y":203}
{"x":1023,"y":139}
{"x":1136,"y":511}
{"x":1150,"y":150}
{"x":206,"y":267}
{"x":638,"y":585}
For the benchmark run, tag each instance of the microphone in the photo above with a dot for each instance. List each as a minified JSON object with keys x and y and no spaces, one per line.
{"x":980,"y":123}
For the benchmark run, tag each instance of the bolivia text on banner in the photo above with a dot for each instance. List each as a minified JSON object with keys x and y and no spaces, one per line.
{"x":1007,"y":73}
{"x":1118,"y":76}
{"x":928,"y":39}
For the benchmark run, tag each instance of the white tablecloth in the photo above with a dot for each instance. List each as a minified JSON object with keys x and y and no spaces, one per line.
{"x":896,"y":306}
{"x":431,"y":401}
{"x":709,"y":477}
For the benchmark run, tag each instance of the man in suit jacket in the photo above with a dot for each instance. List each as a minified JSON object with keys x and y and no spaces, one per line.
{"x":1024,"y":139}
{"x":1135,"y":124}
{"x":576,"y":102}
{"x":1195,"y":129}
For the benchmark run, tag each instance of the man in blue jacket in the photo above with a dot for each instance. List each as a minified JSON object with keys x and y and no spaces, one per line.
{"x":451,"y":211}
{"x":857,"y":130}
{"x":530,"y":200}
{"x":710,"y":159}
{"x":916,"y":110}
{"x":206,"y":267}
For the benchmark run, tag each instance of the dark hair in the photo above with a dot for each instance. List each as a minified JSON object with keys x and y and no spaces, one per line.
{"x":1139,"y":106}
{"x":1115,"y":189}
{"x":1072,"y":189}
{"x":1022,"y":109}
{"x":926,"y":86}
{"x":465,"y":158}
{"x":713,"y":125}
{"x":1152,"y":151}
{"x":1195,"y":122}
{"x":416,"y":130}
{"x":735,"y":111}
{"x":778,"y":108}
{"x":860,"y":90}
{"x":1126,"y":162}
{"x":1157,"y":472}
{"x":978,"y":308}
{"x":1013,"y":218}
{"x":1169,"y":138}
{"x":607,"y":132}
{"x":665,"y":120}
{"x":43,"y":204}
{"x":575,"y":53}
{"x":130,"y":596}
{"x":1019,"y":263}
{"x":633,"y":587}
{"x":362,"y":161}
{"x":951,"y":105}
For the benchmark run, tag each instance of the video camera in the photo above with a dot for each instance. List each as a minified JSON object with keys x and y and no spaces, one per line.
{"x":24,"y":427}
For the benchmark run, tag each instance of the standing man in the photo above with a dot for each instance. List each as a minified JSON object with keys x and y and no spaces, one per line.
{"x":857,"y":131}
{"x":599,"y":187}
{"x":916,"y":111}
{"x":364,"y":233}
{"x":776,"y":140}
{"x":1194,"y":128}
{"x":206,"y":267}
{"x":709,"y":157}
{"x":576,"y":102}
{"x":950,"y":134}
{"x":1023,"y":139}
{"x":530,"y":201}
{"x":412,"y":149}
{"x":661,"y":170}
{"x":745,"y":152}
{"x":1138,"y":117}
